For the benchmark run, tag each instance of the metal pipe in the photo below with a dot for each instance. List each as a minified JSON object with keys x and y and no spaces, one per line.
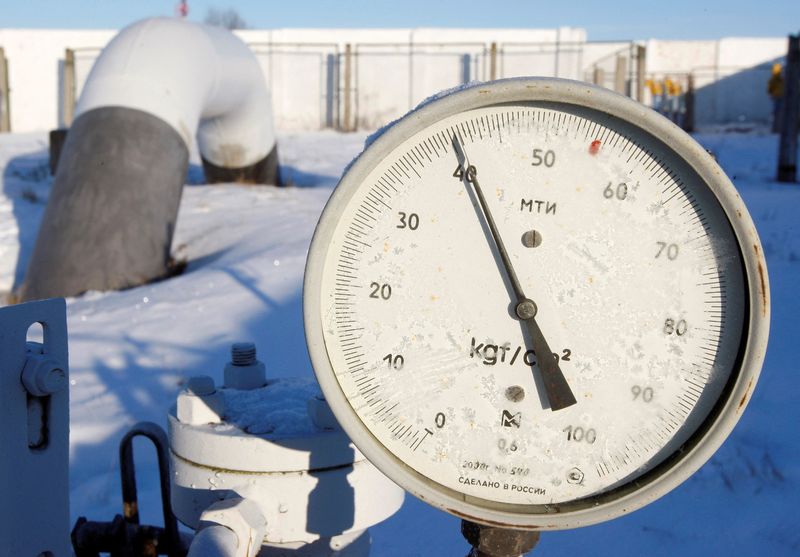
{"x":130,"y":500}
{"x":199,"y":79}
{"x":495,"y":541}
{"x":214,"y":541}
{"x":112,"y":211}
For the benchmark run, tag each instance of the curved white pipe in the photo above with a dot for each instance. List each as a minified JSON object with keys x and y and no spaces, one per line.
{"x":214,"y":541}
{"x":114,"y":202}
{"x":216,"y":92}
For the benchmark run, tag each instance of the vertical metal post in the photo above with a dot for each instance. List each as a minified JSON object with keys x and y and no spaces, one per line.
{"x":493,"y":62}
{"x":598,"y":76}
{"x":328,"y":94}
{"x":465,"y":68}
{"x":688,"y":116}
{"x":411,"y":70}
{"x":348,"y":64}
{"x":787,"y":154}
{"x":558,"y":53}
{"x":641,"y":68}
{"x":629,"y":76}
{"x":69,"y":87}
{"x":620,"y":74}
{"x":337,"y":88}
{"x":5,"y":90}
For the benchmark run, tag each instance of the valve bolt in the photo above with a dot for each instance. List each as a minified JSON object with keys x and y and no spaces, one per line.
{"x":243,"y":353}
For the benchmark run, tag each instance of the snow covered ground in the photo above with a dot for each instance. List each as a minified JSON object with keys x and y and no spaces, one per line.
{"x":131,"y":351}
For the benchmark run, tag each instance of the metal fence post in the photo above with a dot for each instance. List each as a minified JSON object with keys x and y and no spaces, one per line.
{"x":411,"y":71}
{"x":688,"y":116}
{"x":69,"y":87}
{"x":599,"y":76}
{"x":620,"y":74}
{"x":493,"y":62}
{"x":641,"y":69}
{"x":5,"y":90}
{"x":348,"y":61}
{"x":787,"y":154}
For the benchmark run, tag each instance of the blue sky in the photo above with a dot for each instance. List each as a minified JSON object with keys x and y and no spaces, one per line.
{"x":622,"y":19}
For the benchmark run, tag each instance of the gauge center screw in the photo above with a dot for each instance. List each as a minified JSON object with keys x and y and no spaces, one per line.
{"x":526,"y":309}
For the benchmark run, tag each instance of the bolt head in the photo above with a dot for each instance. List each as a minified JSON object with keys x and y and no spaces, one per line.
{"x":575,"y":476}
{"x":194,"y":408}
{"x":200,"y":385}
{"x":243,"y":517}
{"x":43,"y":376}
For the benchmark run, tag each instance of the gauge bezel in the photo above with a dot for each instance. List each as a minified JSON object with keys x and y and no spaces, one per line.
{"x":642,"y":489}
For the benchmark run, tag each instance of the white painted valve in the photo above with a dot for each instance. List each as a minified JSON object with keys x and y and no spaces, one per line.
{"x":278,"y":446}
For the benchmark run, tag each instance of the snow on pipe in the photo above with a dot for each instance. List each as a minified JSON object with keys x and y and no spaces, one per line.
{"x":112,"y":210}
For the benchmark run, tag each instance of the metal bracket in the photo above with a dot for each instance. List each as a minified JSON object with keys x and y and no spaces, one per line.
{"x":34,"y":430}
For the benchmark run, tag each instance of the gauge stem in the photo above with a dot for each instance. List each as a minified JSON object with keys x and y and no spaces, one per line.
{"x":558,"y":392}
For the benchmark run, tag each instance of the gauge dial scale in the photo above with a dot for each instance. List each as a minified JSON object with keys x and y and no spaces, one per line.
{"x":646,"y":274}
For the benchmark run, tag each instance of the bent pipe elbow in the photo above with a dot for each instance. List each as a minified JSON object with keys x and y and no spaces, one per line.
{"x":203,"y":81}
{"x":114,"y":203}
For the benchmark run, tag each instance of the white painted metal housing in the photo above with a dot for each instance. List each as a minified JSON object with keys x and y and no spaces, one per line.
{"x":316,"y":492}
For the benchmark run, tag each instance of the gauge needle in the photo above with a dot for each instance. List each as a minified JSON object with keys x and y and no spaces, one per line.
{"x":557,"y":390}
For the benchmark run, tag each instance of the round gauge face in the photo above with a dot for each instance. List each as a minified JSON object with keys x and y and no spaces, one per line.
{"x":523,"y":307}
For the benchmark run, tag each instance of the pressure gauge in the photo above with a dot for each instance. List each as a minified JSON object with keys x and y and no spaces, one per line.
{"x":536,"y":303}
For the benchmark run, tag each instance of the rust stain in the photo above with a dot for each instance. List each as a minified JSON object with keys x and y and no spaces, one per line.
{"x":763,"y":281}
{"x":744,"y":398}
{"x":232,"y":155}
{"x":130,"y":508}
